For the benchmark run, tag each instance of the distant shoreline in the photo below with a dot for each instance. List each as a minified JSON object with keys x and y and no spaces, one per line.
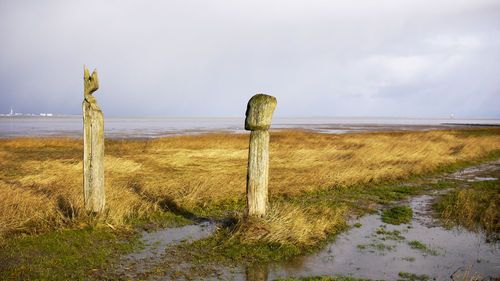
{"x":473,"y":124}
{"x":274,"y":118}
{"x":117,"y":135}
{"x":70,"y":126}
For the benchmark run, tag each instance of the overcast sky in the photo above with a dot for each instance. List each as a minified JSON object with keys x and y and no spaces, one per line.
{"x":373,"y":58}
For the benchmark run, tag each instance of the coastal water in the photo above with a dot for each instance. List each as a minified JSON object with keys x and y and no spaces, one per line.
{"x":154,"y":127}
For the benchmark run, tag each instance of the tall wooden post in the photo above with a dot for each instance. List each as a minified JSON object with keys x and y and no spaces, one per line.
{"x":93,"y":146}
{"x":259,"y":113}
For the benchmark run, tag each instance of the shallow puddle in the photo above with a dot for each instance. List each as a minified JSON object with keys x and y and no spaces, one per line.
{"x":381,"y":251}
{"x":154,"y":245}
{"x":156,"y":241}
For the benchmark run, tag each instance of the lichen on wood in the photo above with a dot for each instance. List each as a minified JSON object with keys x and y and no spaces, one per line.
{"x":259,"y":112}
{"x":93,"y":146}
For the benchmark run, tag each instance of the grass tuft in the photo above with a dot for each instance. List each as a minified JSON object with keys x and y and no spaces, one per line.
{"x":422,"y":247}
{"x":475,"y":207}
{"x":287,"y":231}
{"x":310,"y":224}
{"x":397,"y":215}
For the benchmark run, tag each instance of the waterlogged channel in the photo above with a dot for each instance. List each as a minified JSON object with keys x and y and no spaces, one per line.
{"x":371,"y":249}
{"x":154,"y":245}
{"x":377,"y":250}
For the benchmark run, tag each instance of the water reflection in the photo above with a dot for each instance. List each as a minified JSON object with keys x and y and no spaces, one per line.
{"x":257,"y":272}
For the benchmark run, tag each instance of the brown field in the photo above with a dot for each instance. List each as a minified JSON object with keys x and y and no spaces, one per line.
{"x":41,"y":179}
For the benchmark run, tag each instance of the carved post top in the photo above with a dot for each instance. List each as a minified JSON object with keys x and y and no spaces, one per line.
{"x":91,"y":84}
{"x":259,"y":112}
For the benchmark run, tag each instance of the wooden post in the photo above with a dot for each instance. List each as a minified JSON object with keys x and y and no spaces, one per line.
{"x":259,"y":113}
{"x":93,"y":146}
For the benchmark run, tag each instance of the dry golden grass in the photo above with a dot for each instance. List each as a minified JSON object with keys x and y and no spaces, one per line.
{"x":41,"y":179}
{"x":290,"y":224}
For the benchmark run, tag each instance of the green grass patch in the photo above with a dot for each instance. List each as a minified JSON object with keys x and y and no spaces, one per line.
{"x":397,"y":215}
{"x":422,"y":247}
{"x":406,"y":189}
{"x":79,"y":253}
{"x":386,"y":193}
{"x":390,"y":235}
{"x":220,"y":208}
{"x":376,"y":247}
{"x":63,"y":255}
{"x":413,"y":276}
{"x":222,"y":247}
{"x":338,"y":277}
{"x":158,"y":220}
{"x":444,"y":184}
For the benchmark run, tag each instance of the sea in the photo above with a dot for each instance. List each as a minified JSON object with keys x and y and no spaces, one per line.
{"x":71,"y":126}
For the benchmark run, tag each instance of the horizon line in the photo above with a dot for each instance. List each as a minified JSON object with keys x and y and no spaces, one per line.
{"x":242,"y":117}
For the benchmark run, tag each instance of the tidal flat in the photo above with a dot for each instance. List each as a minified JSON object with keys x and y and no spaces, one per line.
{"x":319,"y":184}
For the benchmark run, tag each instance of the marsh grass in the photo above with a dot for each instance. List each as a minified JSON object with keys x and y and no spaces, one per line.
{"x":310,"y":224}
{"x":63,"y":255}
{"x":41,"y":179}
{"x":475,"y":207}
{"x":316,"y":180}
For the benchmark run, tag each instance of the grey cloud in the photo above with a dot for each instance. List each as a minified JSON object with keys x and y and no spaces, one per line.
{"x":207,"y":58}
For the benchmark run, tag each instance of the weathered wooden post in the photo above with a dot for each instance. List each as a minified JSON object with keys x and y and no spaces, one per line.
{"x":259,"y":113}
{"x":93,"y":146}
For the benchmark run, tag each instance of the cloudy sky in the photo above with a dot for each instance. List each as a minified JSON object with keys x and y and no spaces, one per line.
{"x":377,"y":58}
